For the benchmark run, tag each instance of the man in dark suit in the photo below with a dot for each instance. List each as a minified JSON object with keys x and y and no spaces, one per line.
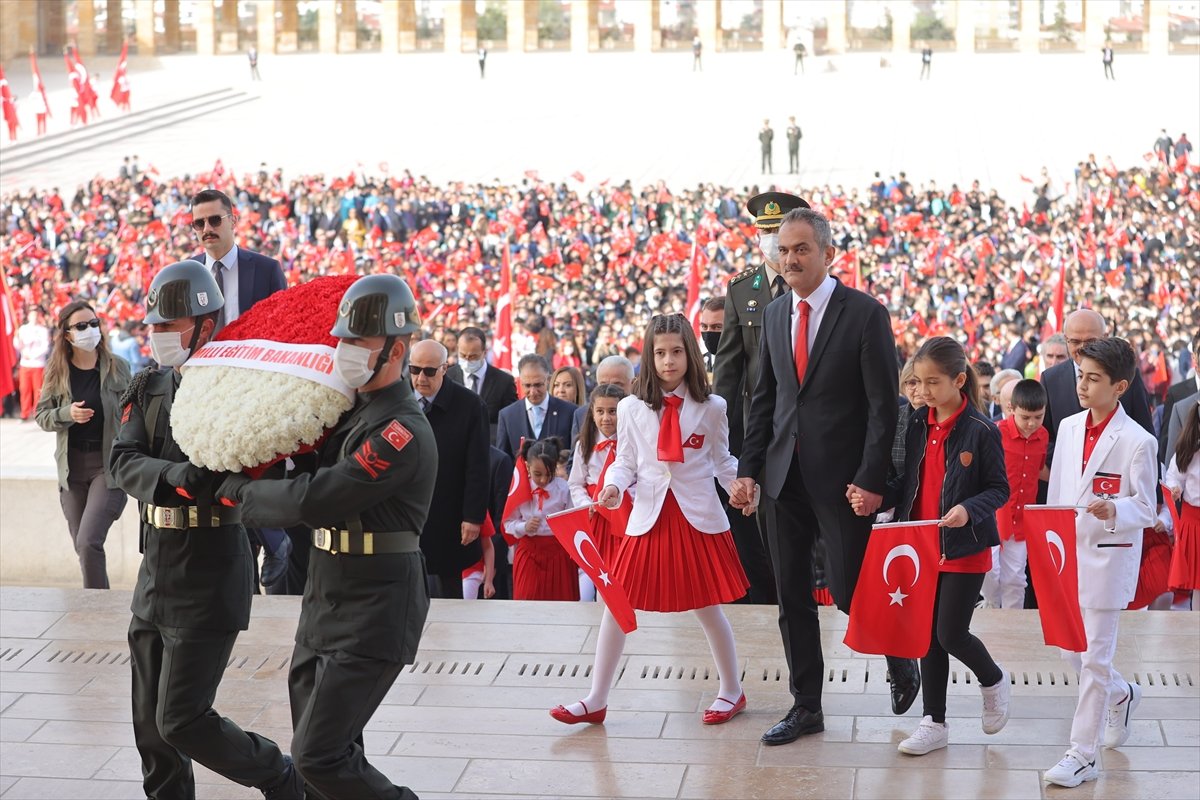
{"x":245,"y":277}
{"x":539,"y":415}
{"x":494,"y":386}
{"x":1082,"y":326}
{"x":500,"y":467}
{"x":1185,"y":388}
{"x":450,"y":538}
{"x":821,"y":425}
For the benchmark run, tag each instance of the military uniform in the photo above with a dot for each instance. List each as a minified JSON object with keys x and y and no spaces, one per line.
{"x":793,"y":137}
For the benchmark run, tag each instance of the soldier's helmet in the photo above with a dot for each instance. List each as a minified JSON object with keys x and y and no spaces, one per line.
{"x":376,"y":305}
{"x":183,"y":289}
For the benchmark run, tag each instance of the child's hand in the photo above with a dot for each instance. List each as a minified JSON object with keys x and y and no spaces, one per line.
{"x":532,"y":524}
{"x":955,"y":518}
{"x":609,"y":497}
{"x":1102,"y":509}
{"x":489,"y":590}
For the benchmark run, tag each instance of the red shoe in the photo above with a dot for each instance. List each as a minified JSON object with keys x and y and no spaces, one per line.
{"x":561,"y":714}
{"x":718,"y":717}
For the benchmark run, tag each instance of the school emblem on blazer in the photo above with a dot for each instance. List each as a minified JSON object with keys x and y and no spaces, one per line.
{"x":695,"y":441}
{"x":965,"y":458}
{"x":1106,"y":485}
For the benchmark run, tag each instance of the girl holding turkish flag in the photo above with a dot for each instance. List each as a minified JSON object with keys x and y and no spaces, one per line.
{"x":542,"y":570}
{"x":598,"y":440}
{"x":677,"y":554}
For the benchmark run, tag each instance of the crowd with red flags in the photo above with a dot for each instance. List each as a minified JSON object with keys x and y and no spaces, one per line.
{"x":85,"y":102}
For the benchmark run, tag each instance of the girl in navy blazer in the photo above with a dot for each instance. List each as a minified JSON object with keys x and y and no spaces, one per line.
{"x":677,"y":554}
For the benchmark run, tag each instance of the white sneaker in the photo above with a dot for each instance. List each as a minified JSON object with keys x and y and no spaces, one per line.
{"x":995,"y":704}
{"x":929,"y":736}
{"x":1072,"y":771}
{"x":1116,"y":727}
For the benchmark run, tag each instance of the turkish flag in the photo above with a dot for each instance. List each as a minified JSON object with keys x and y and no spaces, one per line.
{"x":1050,"y":540}
{"x":573,"y":528}
{"x":8,"y":331}
{"x":693,"y":288}
{"x":502,"y":341}
{"x":892,"y":610}
{"x":518,"y":491}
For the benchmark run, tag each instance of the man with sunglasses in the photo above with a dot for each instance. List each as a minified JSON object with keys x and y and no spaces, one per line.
{"x":450,"y":538}
{"x":366,"y":601}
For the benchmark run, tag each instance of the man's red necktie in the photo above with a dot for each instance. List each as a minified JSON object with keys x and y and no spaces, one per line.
{"x":802,"y":342}
{"x":670,"y":443}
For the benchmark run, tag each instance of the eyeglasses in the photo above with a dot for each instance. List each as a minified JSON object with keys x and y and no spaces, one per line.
{"x":83,"y":326}
{"x":213,"y":221}
{"x":428,"y":372}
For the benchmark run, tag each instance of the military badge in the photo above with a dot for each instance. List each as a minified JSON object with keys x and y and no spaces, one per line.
{"x":202,"y":299}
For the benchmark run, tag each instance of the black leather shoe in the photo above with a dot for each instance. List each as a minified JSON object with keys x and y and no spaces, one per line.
{"x":906,"y":682}
{"x":798,"y":722}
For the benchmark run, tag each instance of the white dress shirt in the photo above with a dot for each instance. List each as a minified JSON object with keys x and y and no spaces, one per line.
{"x":586,"y":471}
{"x":559,"y":500}
{"x":818,"y":301}
{"x":229,"y":279}
{"x":1184,"y":483}
{"x":467,"y":376}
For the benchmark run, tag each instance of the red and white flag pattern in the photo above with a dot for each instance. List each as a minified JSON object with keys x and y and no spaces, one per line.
{"x":502,"y":341}
{"x":572,"y":530}
{"x":518,"y":491}
{"x":1053,"y":565}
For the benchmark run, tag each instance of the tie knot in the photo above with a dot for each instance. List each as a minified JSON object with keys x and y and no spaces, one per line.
{"x":607,"y":444}
{"x":804,"y":308}
{"x":672,"y":401}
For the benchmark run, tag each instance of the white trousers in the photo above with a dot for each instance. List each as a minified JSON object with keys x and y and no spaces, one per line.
{"x":471,"y":584}
{"x":1099,"y":681}
{"x":1004,"y":584}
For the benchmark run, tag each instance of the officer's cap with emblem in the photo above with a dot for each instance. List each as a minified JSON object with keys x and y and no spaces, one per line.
{"x":769,"y":208}
{"x":376,"y":305}
{"x":183,"y":289}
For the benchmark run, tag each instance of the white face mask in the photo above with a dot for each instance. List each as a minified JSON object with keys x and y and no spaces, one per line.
{"x":351,"y":363}
{"x":167,"y":347}
{"x":86,"y":340}
{"x":471,"y":367}
{"x":768,"y":245}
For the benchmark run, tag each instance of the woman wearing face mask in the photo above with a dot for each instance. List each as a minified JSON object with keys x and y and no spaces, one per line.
{"x":80,"y":402}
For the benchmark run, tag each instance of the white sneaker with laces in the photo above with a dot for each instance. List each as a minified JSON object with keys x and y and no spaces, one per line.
{"x":928,"y":736}
{"x":1116,"y":727}
{"x":1072,"y":771}
{"x":995,"y":704}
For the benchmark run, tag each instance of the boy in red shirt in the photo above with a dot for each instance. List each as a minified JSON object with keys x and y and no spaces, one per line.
{"x":1025,"y":441}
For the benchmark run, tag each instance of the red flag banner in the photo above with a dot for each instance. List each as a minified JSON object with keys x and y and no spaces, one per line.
{"x":693,"y":293}
{"x":518,"y":491}
{"x":1172,"y":509}
{"x":8,"y":332}
{"x":502,"y":341}
{"x":1050,"y":539}
{"x":571,"y":529}
{"x":892,"y":610}
{"x":39,"y":85}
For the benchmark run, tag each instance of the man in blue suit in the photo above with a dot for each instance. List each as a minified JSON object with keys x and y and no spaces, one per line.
{"x":539,"y":415}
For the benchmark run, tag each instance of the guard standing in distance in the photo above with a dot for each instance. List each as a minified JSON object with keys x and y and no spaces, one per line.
{"x":365,"y":603}
{"x":793,"y":136}
{"x":194,"y":585}
{"x":766,"y":139}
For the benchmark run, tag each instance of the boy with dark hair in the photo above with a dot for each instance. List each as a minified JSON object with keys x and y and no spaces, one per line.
{"x":1025,"y":442}
{"x":1106,"y":463}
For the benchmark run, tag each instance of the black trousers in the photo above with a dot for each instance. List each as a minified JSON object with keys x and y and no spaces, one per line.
{"x":767,"y":167}
{"x":952,"y":612}
{"x":333,"y":695}
{"x":447,"y":585}
{"x":176,"y":672}
{"x":793,"y":160}
{"x":1108,"y":71}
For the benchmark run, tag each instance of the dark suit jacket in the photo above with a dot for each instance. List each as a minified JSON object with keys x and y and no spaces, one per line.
{"x":258,"y":277}
{"x":501,"y":466}
{"x":514,"y":424}
{"x":499,"y":391}
{"x":844,"y":417}
{"x":459,"y":423}
{"x":1062,"y":401}
{"x":1185,"y":388}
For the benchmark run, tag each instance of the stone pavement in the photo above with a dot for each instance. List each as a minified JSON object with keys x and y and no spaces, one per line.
{"x":645,"y":117}
{"x":469,"y":720}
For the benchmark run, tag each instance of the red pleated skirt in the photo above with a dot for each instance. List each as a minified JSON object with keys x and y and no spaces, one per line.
{"x":606,"y":538}
{"x":1185,"y":561}
{"x":542,"y":570}
{"x":1152,"y":574}
{"x":674,"y":567}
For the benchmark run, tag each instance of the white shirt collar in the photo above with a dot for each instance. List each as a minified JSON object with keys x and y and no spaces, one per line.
{"x":228,"y":261}
{"x":820,"y":296}
{"x":544,"y":405}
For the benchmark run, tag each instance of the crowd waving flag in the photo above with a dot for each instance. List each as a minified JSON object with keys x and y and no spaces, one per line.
{"x":572,"y":530}
{"x":1050,"y":540}
{"x":39,"y":85}
{"x":502,"y":341}
{"x":892,"y":610}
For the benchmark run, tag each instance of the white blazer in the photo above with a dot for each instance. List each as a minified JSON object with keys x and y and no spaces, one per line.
{"x":704,"y":429}
{"x":1109,"y":557}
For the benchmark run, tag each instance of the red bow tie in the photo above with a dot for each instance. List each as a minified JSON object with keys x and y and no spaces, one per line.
{"x":541,"y":495}
{"x":608,"y":444}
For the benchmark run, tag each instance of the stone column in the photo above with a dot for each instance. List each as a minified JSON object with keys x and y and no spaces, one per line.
{"x":835,"y":41}
{"x":1031,"y":26}
{"x":18,"y":29}
{"x":1158,"y":42}
{"x":114,"y":34}
{"x":327,"y":27}
{"x":85,"y":40}
{"x":265,"y":17}
{"x":171,"y":26}
{"x":407,"y":27}
{"x":646,"y":36}
{"x":964,"y":26}
{"x":288,"y":29}
{"x":585,"y":33}
{"x":206,"y":28}
{"x":1095,"y":17}
{"x":522,"y":26}
{"x":347,"y":27}
{"x":902,"y":15}
{"x":460,"y":30}
{"x":772,"y":26}
{"x":708,"y":21}
{"x":145,"y":28}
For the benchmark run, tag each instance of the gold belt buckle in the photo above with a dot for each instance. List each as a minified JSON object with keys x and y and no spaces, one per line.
{"x":170,"y":517}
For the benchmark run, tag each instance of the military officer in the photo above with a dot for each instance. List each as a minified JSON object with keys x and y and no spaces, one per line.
{"x":194,"y":584}
{"x":365,"y":602}
{"x":794,"y":135}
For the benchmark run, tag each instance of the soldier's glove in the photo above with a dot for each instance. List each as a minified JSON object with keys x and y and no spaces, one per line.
{"x":188,"y":479}
{"x":227,"y":491}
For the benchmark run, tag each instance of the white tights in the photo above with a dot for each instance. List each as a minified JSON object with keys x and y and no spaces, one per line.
{"x":611,"y":644}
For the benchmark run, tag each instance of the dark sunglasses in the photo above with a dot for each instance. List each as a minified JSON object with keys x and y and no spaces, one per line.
{"x":213,"y":221}
{"x":428,"y":371}
{"x":83,"y":326}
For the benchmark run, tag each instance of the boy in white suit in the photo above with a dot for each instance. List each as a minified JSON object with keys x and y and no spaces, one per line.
{"x":1107,"y":463}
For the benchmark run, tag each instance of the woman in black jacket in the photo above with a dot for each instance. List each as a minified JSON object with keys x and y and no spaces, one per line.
{"x":953,"y":473}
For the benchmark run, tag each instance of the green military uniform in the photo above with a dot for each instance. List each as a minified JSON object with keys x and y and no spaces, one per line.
{"x":366,"y":601}
{"x":191,"y":598}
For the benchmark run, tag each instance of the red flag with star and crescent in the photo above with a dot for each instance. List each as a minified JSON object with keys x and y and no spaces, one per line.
{"x":502,"y":341}
{"x":1050,"y":540}
{"x":892,"y":609}
{"x":518,"y":491}
{"x":572,"y":529}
